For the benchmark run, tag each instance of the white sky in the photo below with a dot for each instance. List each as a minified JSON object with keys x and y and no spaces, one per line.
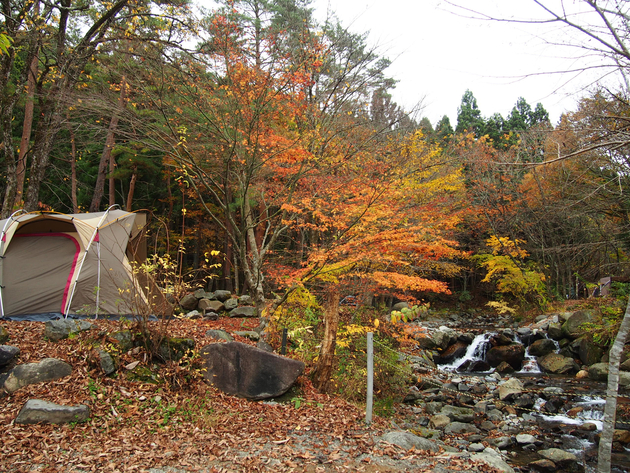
{"x":437,"y":55}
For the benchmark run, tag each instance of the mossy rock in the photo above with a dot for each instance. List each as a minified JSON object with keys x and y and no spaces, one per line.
{"x":144,"y":374}
{"x":124,"y":339}
{"x":174,"y":348}
{"x":4,"y":335}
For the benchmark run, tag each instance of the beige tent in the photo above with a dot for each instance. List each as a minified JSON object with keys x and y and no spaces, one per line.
{"x":71,"y":264}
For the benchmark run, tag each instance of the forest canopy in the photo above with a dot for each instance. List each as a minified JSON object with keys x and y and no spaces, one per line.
{"x":257,"y":135}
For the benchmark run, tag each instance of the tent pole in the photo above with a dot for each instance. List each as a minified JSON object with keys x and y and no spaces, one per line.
{"x":9,"y":221}
{"x":87,"y":249}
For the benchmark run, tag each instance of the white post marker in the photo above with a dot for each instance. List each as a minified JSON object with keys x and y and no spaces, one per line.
{"x":370,"y":378}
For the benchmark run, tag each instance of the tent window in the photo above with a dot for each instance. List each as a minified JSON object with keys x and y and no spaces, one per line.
{"x":46,"y":226}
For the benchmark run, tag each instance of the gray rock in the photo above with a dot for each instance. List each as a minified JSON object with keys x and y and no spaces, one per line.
{"x":407,"y":440}
{"x":559,"y":457}
{"x":193,"y":315}
{"x":189,"y":302}
{"x":231,"y":303}
{"x":542,"y":347}
{"x":572,"y":328}
{"x":460,"y":428}
{"x":222,"y":295}
{"x":476,"y":447}
{"x":514,"y":354}
{"x":458,"y":414}
{"x":211,"y":306}
{"x":106,"y":362}
{"x":490,"y":457}
{"x":251,"y":334}
{"x":8,"y":355}
{"x":245,"y":299}
{"x":501,"y":442}
{"x":599,"y":372}
{"x":557,"y":364}
{"x":433,"y":407}
{"x":625,"y":366}
{"x":246,"y":311}
{"x":4,"y":335}
{"x":589,"y":352}
{"x":219,"y":335}
{"x":510,"y":388}
{"x":525,"y":439}
{"x":400,"y":306}
{"x":200,"y":293}
{"x":263,"y":345}
{"x":245,"y":371}
{"x":48,"y":369}
{"x":56,"y":330}
{"x":175,"y":348}
{"x":555,"y":331}
{"x":494,"y":415}
{"x":439,"y":421}
{"x":124,"y":339}
{"x":36,"y":410}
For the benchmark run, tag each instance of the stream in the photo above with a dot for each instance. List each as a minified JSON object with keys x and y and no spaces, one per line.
{"x":569,"y":418}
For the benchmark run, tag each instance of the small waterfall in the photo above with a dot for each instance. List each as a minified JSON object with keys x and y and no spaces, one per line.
{"x":476,"y":351}
{"x":530,"y":365}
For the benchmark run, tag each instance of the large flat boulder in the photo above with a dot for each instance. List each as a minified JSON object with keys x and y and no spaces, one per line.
{"x":246,"y":371}
{"x":36,"y":411}
{"x":48,"y":369}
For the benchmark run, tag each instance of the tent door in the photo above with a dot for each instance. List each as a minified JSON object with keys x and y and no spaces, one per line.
{"x":36,"y":272}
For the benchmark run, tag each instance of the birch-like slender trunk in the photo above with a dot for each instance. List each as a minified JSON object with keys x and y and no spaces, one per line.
{"x":610,"y":411}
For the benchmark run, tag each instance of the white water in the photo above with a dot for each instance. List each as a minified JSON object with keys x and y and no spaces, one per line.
{"x":530,"y":365}
{"x":476,"y":351}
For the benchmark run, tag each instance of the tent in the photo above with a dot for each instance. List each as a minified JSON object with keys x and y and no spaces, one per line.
{"x":75,"y":264}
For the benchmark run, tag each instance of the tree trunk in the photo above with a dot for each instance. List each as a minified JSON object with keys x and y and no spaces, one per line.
{"x":610,"y":410}
{"x":73,"y":168}
{"x":132,"y":188}
{"x":107,"y":161}
{"x":26,"y":128}
{"x":325,"y":364}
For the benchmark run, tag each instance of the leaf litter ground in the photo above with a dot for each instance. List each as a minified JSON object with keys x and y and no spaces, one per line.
{"x":188,"y":426}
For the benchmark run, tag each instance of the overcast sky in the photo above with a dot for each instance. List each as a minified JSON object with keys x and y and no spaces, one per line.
{"x":437,"y":54}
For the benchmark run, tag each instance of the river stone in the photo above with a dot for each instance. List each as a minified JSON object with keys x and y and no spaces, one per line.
{"x":598,"y":372}
{"x":514,"y":354}
{"x":48,"y":369}
{"x":441,"y":339}
{"x":56,"y":330}
{"x":36,"y":410}
{"x":501,"y":442}
{"x":555,"y":331}
{"x":245,"y":371}
{"x":439,"y":421}
{"x":572,"y":327}
{"x":188,"y":302}
{"x":544,"y":466}
{"x":490,"y":457}
{"x":245,"y":299}
{"x":246,"y":311}
{"x":559,"y":457}
{"x":557,"y":364}
{"x":504,"y":368}
{"x":210,"y":306}
{"x":589,"y":352}
{"x":407,"y":441}
{"x":459,"y":414}
{"x":452,"y":352}
{"x":8,"y":354}
{"x":460,"y":428}
{"x":542,"y":347}
{"x":525,"y":439}
{"x":624,"y":376}
{"x":625,"y":366}
{"x":510,"y":388}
